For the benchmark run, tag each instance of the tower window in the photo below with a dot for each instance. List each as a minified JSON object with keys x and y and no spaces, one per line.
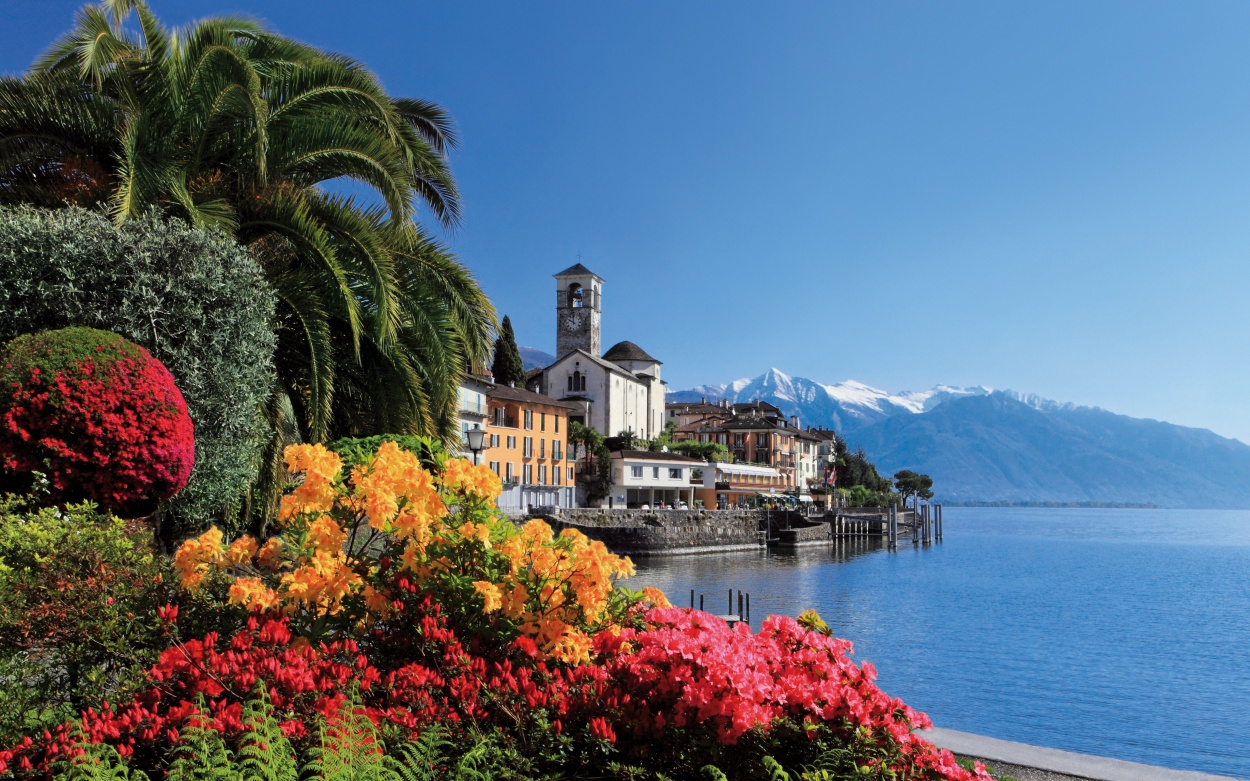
{"x":575,"y":296}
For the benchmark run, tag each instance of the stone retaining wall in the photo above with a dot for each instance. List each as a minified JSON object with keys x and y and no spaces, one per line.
{"x":816,"y":534}
{"x":664,"y":532}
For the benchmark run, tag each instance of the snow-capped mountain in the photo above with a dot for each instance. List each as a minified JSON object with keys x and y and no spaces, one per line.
{"x":845,"y":406}
{"x":980,"y":444}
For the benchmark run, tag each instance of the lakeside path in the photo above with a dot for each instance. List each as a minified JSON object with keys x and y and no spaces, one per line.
{"x":1036,"y":763}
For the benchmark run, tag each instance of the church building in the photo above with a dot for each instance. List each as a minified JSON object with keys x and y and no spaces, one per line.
{"x":619,"y":390}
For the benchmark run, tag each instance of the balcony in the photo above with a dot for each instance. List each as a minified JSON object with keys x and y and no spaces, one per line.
{"x":473,"y":409}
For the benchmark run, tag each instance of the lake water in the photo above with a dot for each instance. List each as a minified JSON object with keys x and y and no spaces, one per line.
{"x":1121,"y":633}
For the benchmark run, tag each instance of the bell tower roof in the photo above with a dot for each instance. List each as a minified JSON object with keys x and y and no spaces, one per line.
{"x":578,"y":270}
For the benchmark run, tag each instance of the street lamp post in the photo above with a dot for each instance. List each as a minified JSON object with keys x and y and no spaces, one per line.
{"x":475,"y":438}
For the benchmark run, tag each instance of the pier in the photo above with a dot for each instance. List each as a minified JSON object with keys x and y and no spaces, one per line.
{"x":678,"y":532}
{"x":791,"y":528}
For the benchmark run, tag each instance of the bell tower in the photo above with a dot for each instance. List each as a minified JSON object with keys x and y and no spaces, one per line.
{"x":578,"y":300}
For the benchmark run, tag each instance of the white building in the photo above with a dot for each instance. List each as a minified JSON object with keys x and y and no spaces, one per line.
{"x":644,"y":477}
{"x":618,"y":391}
{"x":471,"y":407}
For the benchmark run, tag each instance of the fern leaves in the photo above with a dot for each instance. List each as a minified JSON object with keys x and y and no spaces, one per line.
{"x":264,"y":752}
{"x":96,"y":763}
{"x":202,"y":755}
{"x":347,"y":748}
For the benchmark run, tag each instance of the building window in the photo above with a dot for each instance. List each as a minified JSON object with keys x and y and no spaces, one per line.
{"x":528,"y":472}
{"x":509,"y":474}
{"x":555,"y":450}
{"x":494,"y":467}
{"x":655,"y":473}
{"x":529,"y":447}
{"x":674,"y":474}
{"x":542,"y":421}
{"x":529,"y":419}
{"x":635,"y":471}
{"x":512,"y":443}
{"x":555,"y":472}
{"x":570,"y":474}
{"x":556,"y":419}
{"x":494,"y":440}
{"x":542,"y":474}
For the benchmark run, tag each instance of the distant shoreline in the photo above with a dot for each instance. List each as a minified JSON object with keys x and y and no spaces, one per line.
{"x":1074,"y":505}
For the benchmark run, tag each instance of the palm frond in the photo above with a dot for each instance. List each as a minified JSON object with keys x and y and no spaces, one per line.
{"x":92,"y":48}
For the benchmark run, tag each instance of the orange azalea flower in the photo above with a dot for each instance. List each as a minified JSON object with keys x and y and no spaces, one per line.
{"x":462,"y":477}
{"x":241,"y":550}
{"x":321,"y":468}
{"x":655,"y":597}
{"x":572,"y":647}
{"x":194,"y":557}
{"x":269,"y":556}
{"x":395,"y":480}
{"x":253,"y":595}
{"x":490,"y":594}
{"x":325,"y":534}
{"x":376,"y":602}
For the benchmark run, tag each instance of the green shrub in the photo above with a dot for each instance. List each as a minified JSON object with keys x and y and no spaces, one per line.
{"x":79,"y":595}
{"x":358,"y":450}
{"x":195,"y":300}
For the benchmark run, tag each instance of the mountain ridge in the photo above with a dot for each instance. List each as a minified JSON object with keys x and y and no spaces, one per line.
{"x":985,"y":445}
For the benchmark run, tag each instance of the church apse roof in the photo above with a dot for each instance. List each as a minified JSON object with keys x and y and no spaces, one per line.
{"x":627,"y":351}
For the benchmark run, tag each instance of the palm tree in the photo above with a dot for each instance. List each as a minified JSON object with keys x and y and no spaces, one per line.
{"x":234,"y":127}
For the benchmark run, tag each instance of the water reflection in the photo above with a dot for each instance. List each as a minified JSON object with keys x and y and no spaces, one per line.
{"x":778,"y":580}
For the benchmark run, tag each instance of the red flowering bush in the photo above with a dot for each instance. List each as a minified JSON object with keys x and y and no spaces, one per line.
{"x":687,"y":693}
{"x":98,"y":415}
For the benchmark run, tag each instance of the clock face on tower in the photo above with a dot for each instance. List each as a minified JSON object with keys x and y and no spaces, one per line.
{"x":573,"y":321}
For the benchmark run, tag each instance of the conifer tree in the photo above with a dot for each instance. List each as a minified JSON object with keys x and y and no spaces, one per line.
{"x":508,"y":366}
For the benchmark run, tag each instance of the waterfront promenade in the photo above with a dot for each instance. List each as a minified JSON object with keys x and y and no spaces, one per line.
{"x":1036,"y":763}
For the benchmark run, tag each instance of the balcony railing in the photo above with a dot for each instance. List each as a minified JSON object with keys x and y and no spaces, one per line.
{"x":473,"y":408}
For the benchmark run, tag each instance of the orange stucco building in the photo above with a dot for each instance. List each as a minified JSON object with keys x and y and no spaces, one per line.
{"x":527,"y":446}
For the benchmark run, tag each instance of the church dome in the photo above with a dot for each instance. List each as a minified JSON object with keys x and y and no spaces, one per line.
{"x":627,"y":351}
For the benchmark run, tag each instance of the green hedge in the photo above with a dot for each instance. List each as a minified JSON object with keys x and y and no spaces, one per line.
{"x":195,"y":300}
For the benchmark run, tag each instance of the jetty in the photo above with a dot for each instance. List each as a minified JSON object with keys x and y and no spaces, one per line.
{"x":678,"y":532}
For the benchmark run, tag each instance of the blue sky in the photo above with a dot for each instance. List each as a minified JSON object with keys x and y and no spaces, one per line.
{"x":1053,"y":198}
